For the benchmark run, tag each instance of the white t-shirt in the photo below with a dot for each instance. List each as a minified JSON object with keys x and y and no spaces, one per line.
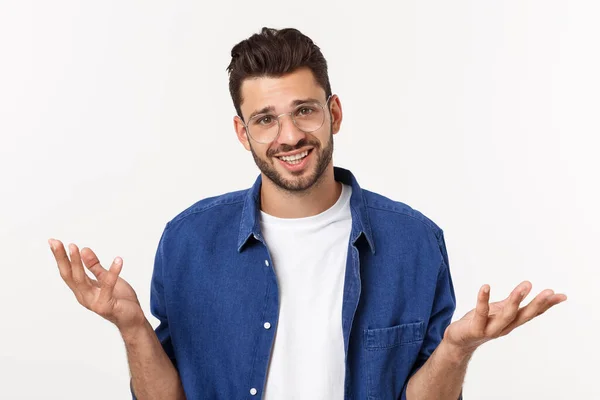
{"x":309,"y":259}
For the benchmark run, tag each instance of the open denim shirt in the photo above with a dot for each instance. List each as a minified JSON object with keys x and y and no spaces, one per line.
{"x":214,"y":287}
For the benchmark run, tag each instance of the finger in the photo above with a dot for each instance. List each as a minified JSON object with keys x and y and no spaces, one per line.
{"x":530,"y":311}
{"x":107,"y":284}
{"x":90,"y":260}
{"x":482,"y":309}
{"x":79,"y":276}
{"x":553,"y":300}
{"x":510,"y":309}
{"x":539,"y":305}
{"x":64,"y":265}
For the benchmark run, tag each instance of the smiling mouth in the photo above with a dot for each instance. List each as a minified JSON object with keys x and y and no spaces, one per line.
{"x":296,"y":158}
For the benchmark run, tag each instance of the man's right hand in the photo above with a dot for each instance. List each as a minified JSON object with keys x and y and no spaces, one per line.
{"x":110,"y":296}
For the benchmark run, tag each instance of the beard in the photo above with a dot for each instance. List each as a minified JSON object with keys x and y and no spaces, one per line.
{"x":300,"y":183}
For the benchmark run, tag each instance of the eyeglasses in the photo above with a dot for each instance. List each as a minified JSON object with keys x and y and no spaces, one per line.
{"x":308,"y":117}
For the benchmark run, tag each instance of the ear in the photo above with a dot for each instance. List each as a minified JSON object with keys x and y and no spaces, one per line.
{"x":336,"y":113}
{"x":240,"y":131}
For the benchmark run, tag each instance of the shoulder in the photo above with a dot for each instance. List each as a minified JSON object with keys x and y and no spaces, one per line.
{"x":211,"y":207}
{"x":382,"y":208}
{"x":400,"y":227}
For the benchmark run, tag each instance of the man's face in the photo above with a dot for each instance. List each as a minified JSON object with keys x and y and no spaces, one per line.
{"x":281,"y":95}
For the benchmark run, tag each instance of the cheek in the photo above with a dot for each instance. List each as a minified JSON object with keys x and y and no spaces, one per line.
{"x":322,"y":136}
{"x":259,"y":150}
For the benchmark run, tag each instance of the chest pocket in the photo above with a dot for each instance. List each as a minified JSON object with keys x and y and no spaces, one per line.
{"x":390,"y":354}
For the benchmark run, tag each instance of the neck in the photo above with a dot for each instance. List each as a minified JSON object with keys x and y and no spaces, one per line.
{"x":281,"y":203}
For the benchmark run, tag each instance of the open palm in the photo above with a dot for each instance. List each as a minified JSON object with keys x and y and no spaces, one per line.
{"x":488,"y":321}
{"x":109,"y":296}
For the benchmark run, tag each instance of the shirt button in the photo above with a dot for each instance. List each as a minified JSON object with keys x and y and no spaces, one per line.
{"x":267,"y":263}
{"x":252,"y":391}
{"x":267,"y":325}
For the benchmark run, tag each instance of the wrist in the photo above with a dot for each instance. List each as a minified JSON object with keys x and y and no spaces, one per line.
{"x":455,"y":354}
{"x":131,"y":332}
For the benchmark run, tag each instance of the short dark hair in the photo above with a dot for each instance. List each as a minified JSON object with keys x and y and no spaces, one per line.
{"x":273,"y":53}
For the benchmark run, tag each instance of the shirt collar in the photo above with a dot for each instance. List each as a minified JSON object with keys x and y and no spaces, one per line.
{"x":250,"y":220}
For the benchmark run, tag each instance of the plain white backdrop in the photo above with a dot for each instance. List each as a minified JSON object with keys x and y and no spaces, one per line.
{"x":484,"y":115}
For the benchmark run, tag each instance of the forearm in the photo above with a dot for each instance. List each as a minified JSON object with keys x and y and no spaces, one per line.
{"x":441,"y":377}
{"x":153,"y":375}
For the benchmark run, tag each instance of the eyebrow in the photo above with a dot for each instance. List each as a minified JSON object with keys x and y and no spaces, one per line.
{"x":263,"y":110}
{"x":271,"y":109}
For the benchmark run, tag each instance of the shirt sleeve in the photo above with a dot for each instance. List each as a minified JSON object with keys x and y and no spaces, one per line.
{"x":444,"y":304}
{"x":158,"y":305}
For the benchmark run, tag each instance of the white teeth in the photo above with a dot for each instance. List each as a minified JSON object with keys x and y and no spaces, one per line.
{"x":295,"y":156}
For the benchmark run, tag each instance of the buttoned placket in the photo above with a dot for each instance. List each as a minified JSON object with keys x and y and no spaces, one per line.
{"x":267,"y":324}
{"x":352,"y":290}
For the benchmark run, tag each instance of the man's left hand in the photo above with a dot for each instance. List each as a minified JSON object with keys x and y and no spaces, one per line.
{"x":492,"y":320}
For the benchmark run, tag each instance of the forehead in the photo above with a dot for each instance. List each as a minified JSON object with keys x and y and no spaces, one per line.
{"x":279,"y":92}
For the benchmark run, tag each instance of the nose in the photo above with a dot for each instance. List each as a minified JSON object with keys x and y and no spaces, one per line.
{"x":289,"y":133}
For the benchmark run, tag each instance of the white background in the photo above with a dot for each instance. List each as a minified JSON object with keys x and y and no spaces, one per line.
{"x":116,"y":115}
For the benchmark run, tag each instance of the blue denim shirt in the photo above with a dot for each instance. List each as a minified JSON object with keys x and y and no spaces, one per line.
{"x":214,"y":287}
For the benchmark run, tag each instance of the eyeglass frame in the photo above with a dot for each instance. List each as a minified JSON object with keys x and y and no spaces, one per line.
{"x":293,"y":120}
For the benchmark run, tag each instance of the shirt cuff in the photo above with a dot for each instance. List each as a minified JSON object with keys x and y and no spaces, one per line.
{"x":131,"y":390}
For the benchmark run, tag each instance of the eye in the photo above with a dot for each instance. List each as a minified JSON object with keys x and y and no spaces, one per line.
{"x":305,"y":110}
{"x":264,"y":120}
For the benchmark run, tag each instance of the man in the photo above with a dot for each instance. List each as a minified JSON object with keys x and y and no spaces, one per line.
{"x":305,"y":286}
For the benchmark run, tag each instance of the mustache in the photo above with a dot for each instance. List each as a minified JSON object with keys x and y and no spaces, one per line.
{"x":285,"y":148}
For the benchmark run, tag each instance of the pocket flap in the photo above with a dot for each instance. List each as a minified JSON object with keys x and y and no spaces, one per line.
{"x":379,"y":338}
